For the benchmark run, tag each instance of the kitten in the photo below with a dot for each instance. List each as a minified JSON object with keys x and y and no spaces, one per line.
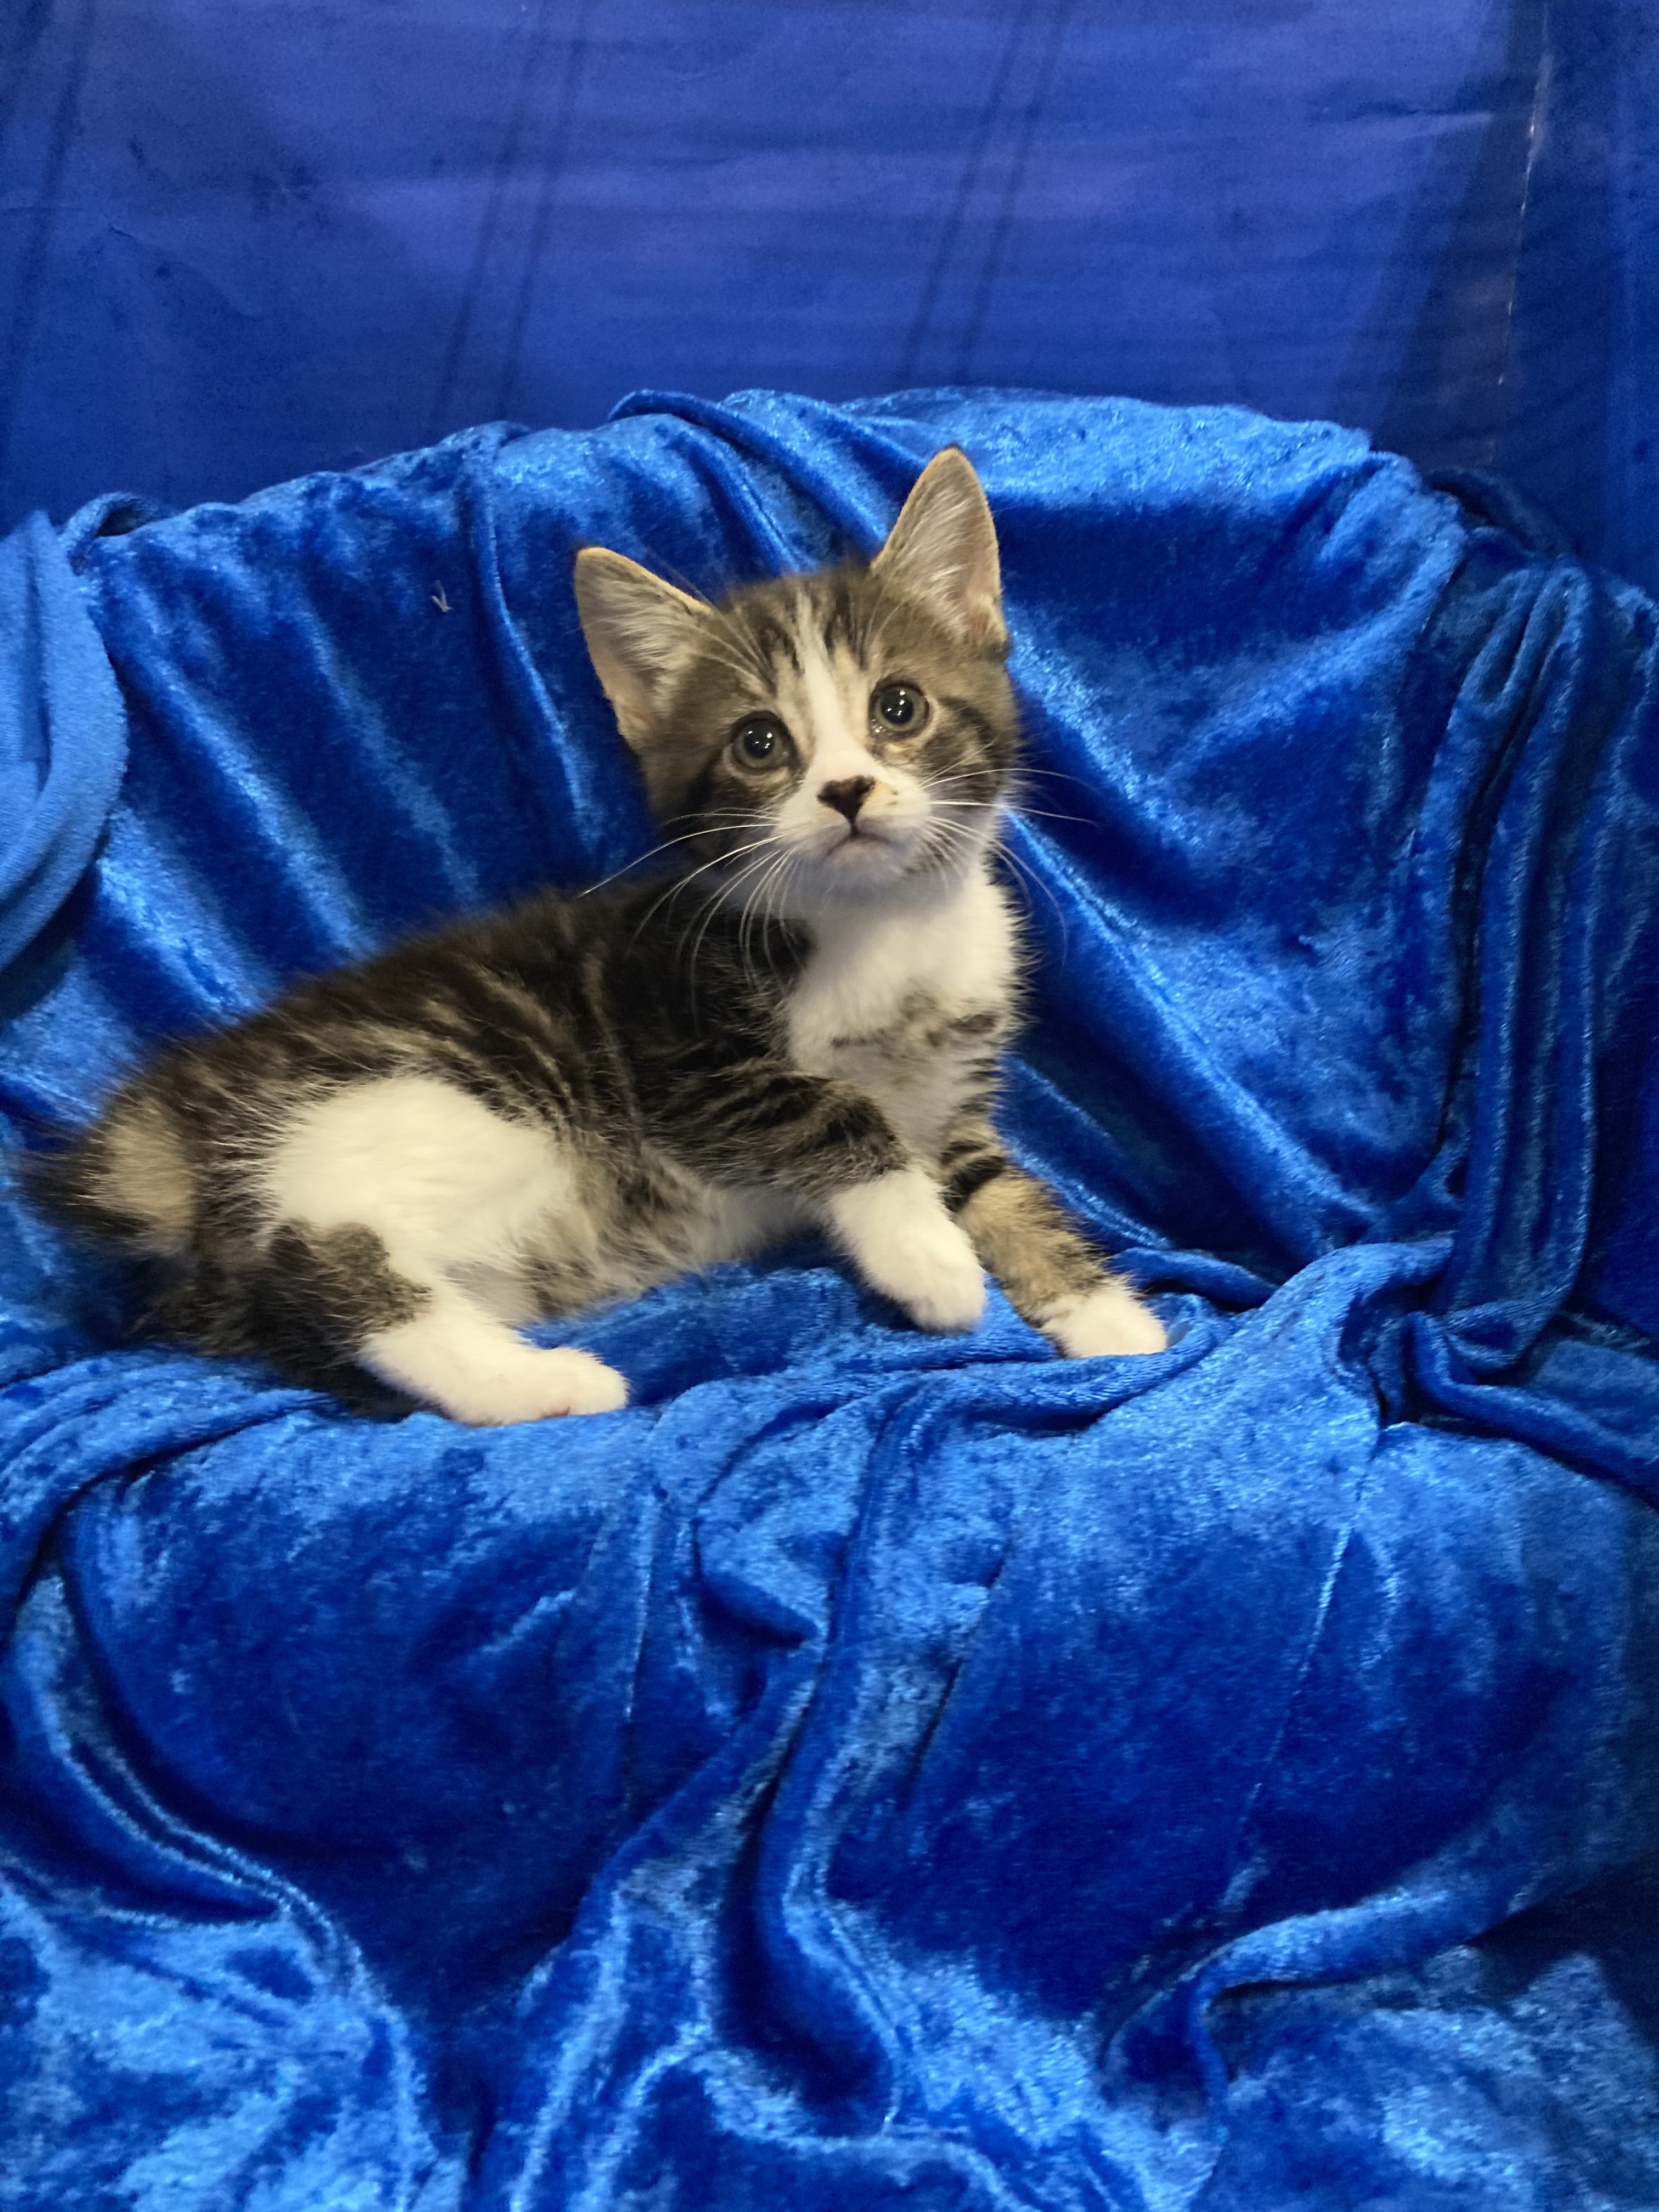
{"x":394,"y":1166}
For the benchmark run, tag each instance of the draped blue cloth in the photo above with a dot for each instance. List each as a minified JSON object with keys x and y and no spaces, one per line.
{"x":62,"y":736}
{"x":875,"y":1770}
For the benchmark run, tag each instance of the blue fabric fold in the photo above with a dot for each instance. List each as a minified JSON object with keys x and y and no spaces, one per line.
{"x":874,"y":1769}
{"x":63,"y":735}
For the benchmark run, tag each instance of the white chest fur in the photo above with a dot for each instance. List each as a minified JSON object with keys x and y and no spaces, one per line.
{"x":905,"y":1002}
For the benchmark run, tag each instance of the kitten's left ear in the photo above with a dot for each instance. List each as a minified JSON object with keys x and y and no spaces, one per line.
{"x":943,"y":549}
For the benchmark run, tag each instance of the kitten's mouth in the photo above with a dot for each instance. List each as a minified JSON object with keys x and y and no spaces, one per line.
{"x":864,"y":849}
{"x":857,"y":857}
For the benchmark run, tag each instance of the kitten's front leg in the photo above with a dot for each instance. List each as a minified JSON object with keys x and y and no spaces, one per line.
{"x":901,"y":1236}
{"x":1052,"y":1276}
{"x":763,"y":1121}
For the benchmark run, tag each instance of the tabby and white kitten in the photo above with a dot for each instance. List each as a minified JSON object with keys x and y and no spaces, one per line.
{"x":396,"y":1165}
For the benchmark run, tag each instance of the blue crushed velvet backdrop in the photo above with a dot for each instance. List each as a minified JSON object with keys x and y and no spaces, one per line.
{"x":875,"y":1771}
{"x":243,"y":241}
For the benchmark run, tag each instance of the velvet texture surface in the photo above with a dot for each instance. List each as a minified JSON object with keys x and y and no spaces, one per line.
{"x":874,"y":1770}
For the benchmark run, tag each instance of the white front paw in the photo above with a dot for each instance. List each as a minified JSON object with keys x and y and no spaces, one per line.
{"x":1101,"y":1322}
{"x":907,"y":1246}
{"x":932,"y":1271}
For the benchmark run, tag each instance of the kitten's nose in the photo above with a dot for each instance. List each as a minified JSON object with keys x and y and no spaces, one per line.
{"x":847,"y":796}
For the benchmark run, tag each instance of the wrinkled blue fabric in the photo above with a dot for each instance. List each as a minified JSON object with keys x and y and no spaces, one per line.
{"x":63,"y":735}
{"x":875,"y":1770}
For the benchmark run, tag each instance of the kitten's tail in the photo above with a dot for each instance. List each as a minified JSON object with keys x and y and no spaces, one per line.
{"x":123,"y":1180}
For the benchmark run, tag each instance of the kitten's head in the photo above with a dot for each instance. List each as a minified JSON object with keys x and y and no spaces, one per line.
{"x":826,"y":736}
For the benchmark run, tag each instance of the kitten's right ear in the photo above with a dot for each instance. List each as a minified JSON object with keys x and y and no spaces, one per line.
{"x":642,"y":634}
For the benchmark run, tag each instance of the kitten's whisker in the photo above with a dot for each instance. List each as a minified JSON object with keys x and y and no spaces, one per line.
{"x":947,"y":840}
{"x":721,"y":896}
{"x":772,"y":881}
{"x":728,"y":819}
{"x":746,"y":919}
{"x":714,"y":906}
{"x":680,"y":883}
{"x":667,"y":845}
{"x":1005,"y":851}
{"x":1010,"y":798}
{"x":1047,"y":814}
{"x":1028,"y":768}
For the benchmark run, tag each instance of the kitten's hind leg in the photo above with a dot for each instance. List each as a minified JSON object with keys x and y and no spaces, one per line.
{"x":390,"y":1188}
{"x":456,"y":1357}
{"x":408,"y":1325}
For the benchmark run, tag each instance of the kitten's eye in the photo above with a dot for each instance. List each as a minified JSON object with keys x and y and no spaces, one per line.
{"x":761,"y":741}
{"x":897,"y":709}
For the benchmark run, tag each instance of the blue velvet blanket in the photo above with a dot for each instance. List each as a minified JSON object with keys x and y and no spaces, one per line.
{"x":874,"y":1771}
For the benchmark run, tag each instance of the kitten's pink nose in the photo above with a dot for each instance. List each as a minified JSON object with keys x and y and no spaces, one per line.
{"x":847,"y":796}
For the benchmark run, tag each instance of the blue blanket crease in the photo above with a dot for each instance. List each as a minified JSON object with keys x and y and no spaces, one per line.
{"x":873,"y":1771}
